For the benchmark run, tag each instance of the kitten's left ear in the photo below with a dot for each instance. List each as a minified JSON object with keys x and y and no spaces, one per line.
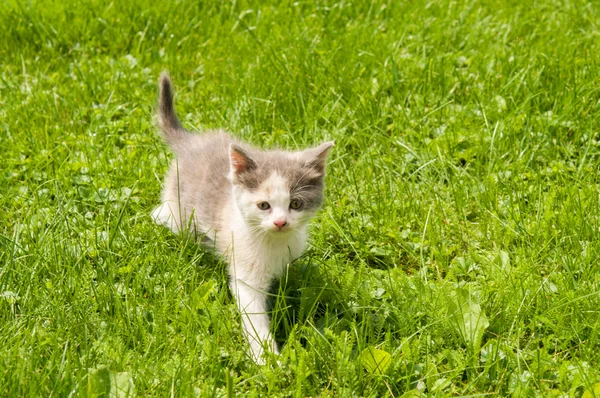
{"x":315,"y":157}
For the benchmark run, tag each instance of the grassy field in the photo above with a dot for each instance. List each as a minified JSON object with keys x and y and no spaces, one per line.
{"x":458,"y":250}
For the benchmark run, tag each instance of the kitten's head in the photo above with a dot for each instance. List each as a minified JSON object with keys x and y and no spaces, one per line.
{"x":278,"y":192}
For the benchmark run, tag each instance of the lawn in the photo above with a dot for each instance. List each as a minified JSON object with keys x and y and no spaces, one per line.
{"x":458,"y":248}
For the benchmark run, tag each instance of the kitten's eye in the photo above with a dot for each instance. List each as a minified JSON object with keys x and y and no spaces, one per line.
{"x":296,"y":204}
{"x":264,"y":205}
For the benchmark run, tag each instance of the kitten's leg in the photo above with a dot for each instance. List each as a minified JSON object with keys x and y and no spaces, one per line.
{"x":252,"y":304}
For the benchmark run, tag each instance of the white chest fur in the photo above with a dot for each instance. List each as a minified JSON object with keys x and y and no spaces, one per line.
{"x":258,"y":259}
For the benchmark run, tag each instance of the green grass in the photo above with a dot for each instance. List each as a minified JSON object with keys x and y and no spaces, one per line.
{"x":459,"y":242}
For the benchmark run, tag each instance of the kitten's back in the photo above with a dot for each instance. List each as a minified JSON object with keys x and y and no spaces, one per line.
{"x":198,"y":180}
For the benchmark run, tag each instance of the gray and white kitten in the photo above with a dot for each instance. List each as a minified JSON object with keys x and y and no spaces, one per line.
{"x":253,"y":205}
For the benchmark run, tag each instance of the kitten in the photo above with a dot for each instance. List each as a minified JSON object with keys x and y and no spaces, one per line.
{"x":253,"y":206}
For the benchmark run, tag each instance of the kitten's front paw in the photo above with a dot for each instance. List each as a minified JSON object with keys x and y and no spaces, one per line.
{"x":165,"y":215}
{"x":257,"y":351}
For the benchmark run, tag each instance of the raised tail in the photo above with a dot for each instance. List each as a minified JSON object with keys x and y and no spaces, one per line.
{"x":173,"y":132}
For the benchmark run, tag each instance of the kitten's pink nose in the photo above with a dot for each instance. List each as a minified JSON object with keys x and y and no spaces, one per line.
{"x":280,"y":223}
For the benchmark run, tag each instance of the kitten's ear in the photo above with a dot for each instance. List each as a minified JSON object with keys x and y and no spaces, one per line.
{"x":239,"y":160}
{"x":315,"y":157}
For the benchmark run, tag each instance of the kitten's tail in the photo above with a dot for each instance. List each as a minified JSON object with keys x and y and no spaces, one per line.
{"x":173,"y":132}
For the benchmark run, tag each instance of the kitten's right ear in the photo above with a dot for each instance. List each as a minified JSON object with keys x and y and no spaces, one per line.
{"x":239,"y":160}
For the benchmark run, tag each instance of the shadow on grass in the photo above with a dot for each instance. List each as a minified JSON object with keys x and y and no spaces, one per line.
{"x":304,"y":296}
